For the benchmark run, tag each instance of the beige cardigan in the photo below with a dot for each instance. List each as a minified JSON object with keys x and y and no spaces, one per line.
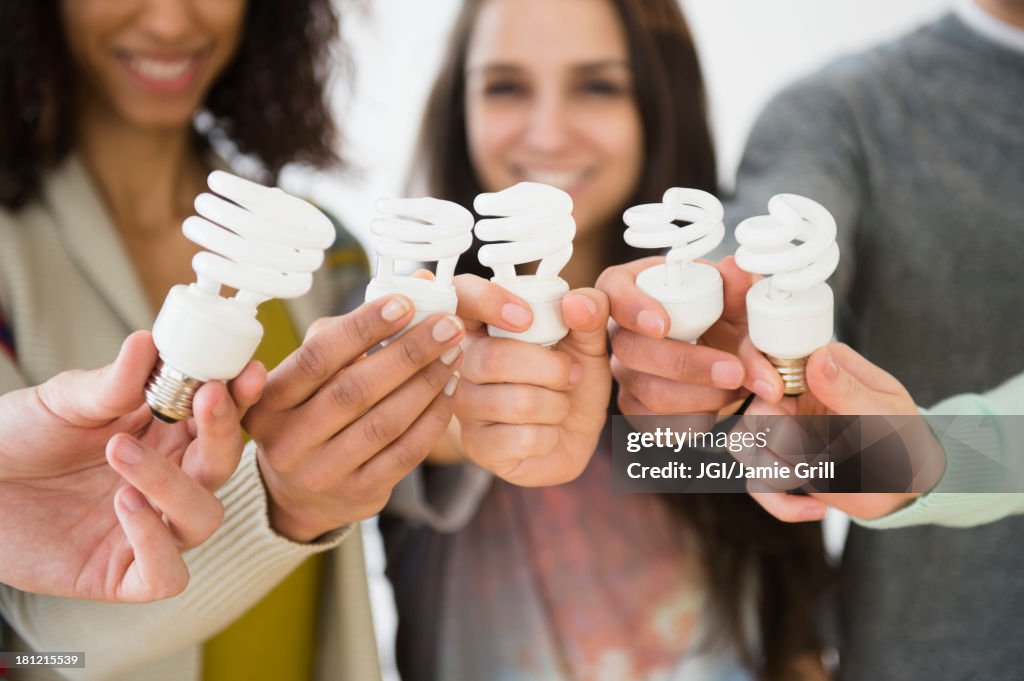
{"x":71,"y":296}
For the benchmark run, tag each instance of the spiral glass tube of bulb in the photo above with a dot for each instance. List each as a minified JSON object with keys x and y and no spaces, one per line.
{"x":790,"y":313}
{"x":420,"y":230}
{"x":535,"y":223}
{"x":260,"y":241}
{"x":690,"y":292}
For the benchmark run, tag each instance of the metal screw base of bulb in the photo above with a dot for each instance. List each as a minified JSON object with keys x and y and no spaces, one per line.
{"x":794,"y":376}
{"x":169,"y":393}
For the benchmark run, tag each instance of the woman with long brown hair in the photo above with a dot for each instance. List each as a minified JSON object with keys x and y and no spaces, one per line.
{"x":604,"y":99}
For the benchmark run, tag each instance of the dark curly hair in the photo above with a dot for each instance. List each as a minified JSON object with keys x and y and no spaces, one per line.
{"x":270,"y":102}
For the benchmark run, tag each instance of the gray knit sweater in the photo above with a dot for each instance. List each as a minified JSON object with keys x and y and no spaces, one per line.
{"x":917,"y":147}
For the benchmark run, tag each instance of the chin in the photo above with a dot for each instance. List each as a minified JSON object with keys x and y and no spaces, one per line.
{"x":163,"y":118}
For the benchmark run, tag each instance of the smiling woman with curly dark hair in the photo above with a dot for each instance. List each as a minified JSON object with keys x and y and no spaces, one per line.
{"x":270,"y":100}
{"x":112,"y":114}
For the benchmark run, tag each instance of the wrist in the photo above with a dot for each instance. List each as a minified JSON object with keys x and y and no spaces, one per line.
{"x":289,"y":517}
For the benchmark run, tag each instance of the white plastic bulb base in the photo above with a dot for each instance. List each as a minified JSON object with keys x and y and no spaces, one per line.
{"x":789,"y":328}
{"x":427,"y":297}
{"x":545,"y":299}
{"x":692,"y":307}
{"x":200,"y":337}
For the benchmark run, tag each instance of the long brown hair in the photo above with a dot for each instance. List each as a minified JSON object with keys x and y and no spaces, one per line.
{"x":740,"y":542}
{"x":270,"y":102}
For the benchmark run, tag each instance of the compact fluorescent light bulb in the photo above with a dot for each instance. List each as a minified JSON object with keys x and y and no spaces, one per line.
{"x":789,"y":313}
{"x":690,"y":292}
{"x":265,"y":244}
{"x":420,"y":230}
{"x":536,"y":222}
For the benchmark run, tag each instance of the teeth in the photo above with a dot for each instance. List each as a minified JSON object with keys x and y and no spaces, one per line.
{"x":560,"y":179}
{"x":160,"y":70}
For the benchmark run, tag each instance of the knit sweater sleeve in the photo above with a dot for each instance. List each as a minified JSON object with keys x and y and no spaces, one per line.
{"x":228,"y":574}
{"x":984,"y":440}
{"x":806,"y":142}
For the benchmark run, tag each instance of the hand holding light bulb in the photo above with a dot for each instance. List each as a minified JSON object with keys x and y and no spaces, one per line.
{"x":658,"y":375}
{"x":529,"y":414}
{"x":82,"y":456}
{"x":690,"y":292}
{"x":338,"y":427}
{"x":789,"y":314}
{"x":842,"y":382}
{"x":537,"y":225}
{"x":420,"y":230}
{"x":261,"y":241}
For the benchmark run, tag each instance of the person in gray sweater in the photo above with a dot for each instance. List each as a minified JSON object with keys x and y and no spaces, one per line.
{"x":917,"y":148}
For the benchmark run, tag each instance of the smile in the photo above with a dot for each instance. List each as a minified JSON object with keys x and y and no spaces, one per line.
{"x":161,"y":74}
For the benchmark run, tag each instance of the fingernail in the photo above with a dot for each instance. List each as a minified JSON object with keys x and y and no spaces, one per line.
{"x":651,"y":322}
{"x":395,"y":309}
{"x":575,"y":374}
{"x":591,"y":305}
{"x":450,"y":355}
{"x":452,"y":384}
{"x":764,"y":389}
{"x":447,"y":328}
{"x":128,"y":451}
{"x":726,"y":374}
{"x":220,"y":410}
{"x":831,"y":369}
{"x":131,"y":499}
{"x":815,"y":512}
{"x":516,"y":315}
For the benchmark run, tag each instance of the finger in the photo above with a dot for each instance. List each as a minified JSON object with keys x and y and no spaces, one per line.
{"x":631,"y":406}
{"x":511,"y":403}
{"x":630,"y":307}
{"x":735,"y":284}
{"x":847,"y":383}
{"x":369,"y":381}
{"x":387,"y":426}
{"x":192,"y":512}
{"x":247,"y":388}
{"x":214,"y":455}
{"x":398,"y":459}
{"x":656,"y":395}
{"x":790,"y":508}
{"x":504,"y":360}
{"x":693,"y":365}
{"x":501,"y":448}
{"x":762,"y":407}
{"x":760,"y":377}
{"x":94,"y":398}
{"x":585,"y":312}
{"x":337,"y":342}
{"x":157,"y":570}
{"x":483,"y":302}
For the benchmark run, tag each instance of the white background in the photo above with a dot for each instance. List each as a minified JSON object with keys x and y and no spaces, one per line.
{"x":749,"y":49}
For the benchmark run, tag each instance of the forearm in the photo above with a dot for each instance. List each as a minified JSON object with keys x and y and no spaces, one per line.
{"x":229,"y":573}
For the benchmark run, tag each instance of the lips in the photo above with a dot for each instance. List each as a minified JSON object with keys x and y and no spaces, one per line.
{"x":163,"y":74}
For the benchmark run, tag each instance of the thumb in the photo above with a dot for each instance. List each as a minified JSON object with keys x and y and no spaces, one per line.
{"x":630,"y":307}
{"x":91,"y":398}
{"x":850,"y":385}
{"x":585,"y":311}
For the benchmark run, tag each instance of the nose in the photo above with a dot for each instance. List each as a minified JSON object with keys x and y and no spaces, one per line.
{"x":169,"y":21}
{"x":548,"y":124}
